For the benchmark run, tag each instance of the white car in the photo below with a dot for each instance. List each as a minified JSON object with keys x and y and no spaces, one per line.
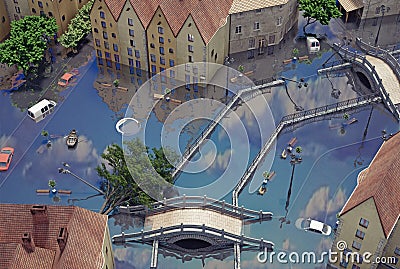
{"x":313,"y":226}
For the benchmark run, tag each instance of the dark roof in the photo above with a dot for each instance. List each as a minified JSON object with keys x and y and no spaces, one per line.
{"x":381,"y":181}
{"x":209,"y":15}
{"x":83,"y":248}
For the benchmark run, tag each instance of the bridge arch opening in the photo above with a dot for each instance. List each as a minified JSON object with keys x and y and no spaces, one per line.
{"x":364,"y":80}
{"x":192,"y":243}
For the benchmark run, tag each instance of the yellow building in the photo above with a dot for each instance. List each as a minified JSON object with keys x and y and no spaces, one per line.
{"x":4,"y":21}
{"x":369,"y":221}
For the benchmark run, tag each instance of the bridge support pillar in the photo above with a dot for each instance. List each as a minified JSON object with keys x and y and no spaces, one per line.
{"x":154,"y":255}
{"x":236,"y":252}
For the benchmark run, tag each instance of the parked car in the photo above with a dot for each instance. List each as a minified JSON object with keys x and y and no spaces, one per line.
{"x":315,"y":226}
{"x":65,"y":79}
{"x":313,"y":45}
{"x":39,"y":111}
{"x":6,"y":155}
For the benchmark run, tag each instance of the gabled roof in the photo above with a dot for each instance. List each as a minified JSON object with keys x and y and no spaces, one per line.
{"x":209,"y":15}
{"x":83,"y":248}
{"x":381,"y":181}
{"x":247,"y":5}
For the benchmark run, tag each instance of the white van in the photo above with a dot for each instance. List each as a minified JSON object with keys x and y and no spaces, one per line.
{"x":312,"y":44}
{"x":39,"y":111}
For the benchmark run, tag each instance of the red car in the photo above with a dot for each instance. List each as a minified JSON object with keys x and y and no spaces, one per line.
{"x":65,"y":79}
{"x":6,"y":155}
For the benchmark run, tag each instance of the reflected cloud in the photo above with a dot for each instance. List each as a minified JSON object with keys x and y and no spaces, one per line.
{"x":139,"y":258}
{"x":7,"y":141}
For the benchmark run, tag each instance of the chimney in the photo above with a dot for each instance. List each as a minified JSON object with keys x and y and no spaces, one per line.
{"x":62,"y":238}
{"x":39,"y":213}
{"x":27,"y":242}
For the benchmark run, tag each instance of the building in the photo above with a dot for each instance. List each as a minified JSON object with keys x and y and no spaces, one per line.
{"x":62,"y":10}
{"x":369,"y":221}
{"x":5,"y":21}
{"x":258,"y":26}
{"x":356,"y":10}
{"x":49,"y":237}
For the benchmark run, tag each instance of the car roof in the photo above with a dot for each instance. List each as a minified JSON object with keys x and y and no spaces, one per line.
{"x":314,"y":224}
{"x":67,"y":76}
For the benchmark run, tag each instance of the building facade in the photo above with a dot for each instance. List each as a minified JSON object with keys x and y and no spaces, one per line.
{"x":369,"y":221}
{"x":258,"y":26}
{"x":356,"y":10}
{"x":4,"y":21}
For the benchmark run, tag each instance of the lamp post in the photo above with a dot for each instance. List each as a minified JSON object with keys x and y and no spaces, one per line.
{"x":382,"y":10}
{"x":66,"y":171}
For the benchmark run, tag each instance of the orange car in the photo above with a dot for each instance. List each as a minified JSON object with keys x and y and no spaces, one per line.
{"x":6,"y":155}
{"x":65,"y":79}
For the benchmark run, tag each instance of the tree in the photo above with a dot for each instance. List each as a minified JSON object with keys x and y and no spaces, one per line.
{"x":124,"y":186}
{"x":299,"y":149}
{"x":318,"y":10}
{"x":78,"y":28}
{"x":52,"y":183}
{"x":28,"y":41}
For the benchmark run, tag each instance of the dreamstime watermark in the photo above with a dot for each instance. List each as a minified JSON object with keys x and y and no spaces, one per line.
{"x":310,"y":257}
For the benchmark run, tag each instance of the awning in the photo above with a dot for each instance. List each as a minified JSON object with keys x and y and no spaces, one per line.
{"x":350,"y":5}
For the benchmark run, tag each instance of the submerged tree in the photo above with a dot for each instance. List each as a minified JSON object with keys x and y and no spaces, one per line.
{"x":318,"y":10}
{"x":28,"y":41}
{"x":124,"y":186}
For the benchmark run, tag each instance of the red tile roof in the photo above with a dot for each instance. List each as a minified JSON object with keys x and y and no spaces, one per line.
{"x":83,"y":249}
{"x":381,"y":181}
{"x":209,"y":15}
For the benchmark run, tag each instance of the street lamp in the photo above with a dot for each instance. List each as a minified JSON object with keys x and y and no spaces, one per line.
{"x":382,"y":9}
{"x":66,"y":171}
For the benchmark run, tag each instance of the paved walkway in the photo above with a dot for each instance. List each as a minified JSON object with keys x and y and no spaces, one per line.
{"x":389,"y":79}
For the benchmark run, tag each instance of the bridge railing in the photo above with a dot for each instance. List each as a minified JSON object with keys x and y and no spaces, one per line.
{"x":382,"y":54}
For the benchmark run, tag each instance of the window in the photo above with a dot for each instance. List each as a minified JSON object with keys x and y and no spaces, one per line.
{"x":190,"y":48}
{"x":160,"y":30}
{"x":153,"y":68}
{"x":238,"y":29}
{"x":117,"y":66}
{"x":171,"y":50}
{"x":252,"y":43}
{"x":162,"y":50}
{"x":377,"y":10}
{"x":42,"y":13}
{"x":360,"y":234}
{"x":95,"y":30}
{"x":130,"y":22}
{"x":162,"y":60}
{"x":40,"y":4}
{"x":130,"y":61}
{"x":97,"y":41}
{"x":132,"y":42}
{"x":271,"y":39}
{"x":162,"y":69}
{"x":129,"y":51}
{"x":397,"y":251}
{"x":279,"y":21}
{"x":256,"y":26}
{"x":106,"y":45}
{"x":343,"y":263}
{"x":131,"y":32}
{"x":137,"y":64}
{"x":33,"y":10}
{"x":364,"y":223}
{"x":171,"y":63}
{"x":355,"y":266}
{"x":356,"y":245}
{"x":190,"y":37}
{"x":103,"y":24}
{"x":113,"y":35}
{"x":17,"y":10}
{"x":152,"y":45}
{"x":212,"y":53}
{"x":108,"y":55}
{"x":172,"y":73}
{"x":161,"y":40}
{"x":102,"y":15}
{"x":63,"y":18}
{"x":105,"y":35}
{"x":137,"y":53}
{"x":153,"y":58}
{"x":258,"y":10}
{"x":116,"y":58}
{"x":99,"y":54}
{"x":187,"y":80}
{"x":115,"y":47}
{"x":190,"y":59}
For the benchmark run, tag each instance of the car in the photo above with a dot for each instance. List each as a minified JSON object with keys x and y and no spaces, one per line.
{"x":315,"y":226}
{"x":65,"y":79}
{"x":6,"y":155}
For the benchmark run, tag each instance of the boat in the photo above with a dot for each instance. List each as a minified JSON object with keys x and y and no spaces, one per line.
{"x":72,"y":139}
{"x":284,"y":154}
{"x":292,"y":142}
{"x":350,"y":121}
{"x":271,"y":175}
{"x":262,"y":190}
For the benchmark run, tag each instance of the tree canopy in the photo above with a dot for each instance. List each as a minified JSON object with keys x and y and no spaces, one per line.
{"x":125,"y":175}
{"x":78,"y":28}
{"x":28,"y":41}
{"x":318,"y":10}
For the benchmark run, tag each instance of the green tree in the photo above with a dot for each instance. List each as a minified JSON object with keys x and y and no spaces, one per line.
{"x":318,"y":10}
{"x":124,"y":186}
{"x":78,"y":28}
{"x":299,"y":149}
{"x":28,"y":41}
{"x":52,"y":183}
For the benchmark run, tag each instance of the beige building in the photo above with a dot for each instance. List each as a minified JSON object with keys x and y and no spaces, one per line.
{"x":50,"y":237}
{"x":257,"y":26}
{"x":369,"y":221}
{"x":356,"y":10}
{"x":4,"y":21}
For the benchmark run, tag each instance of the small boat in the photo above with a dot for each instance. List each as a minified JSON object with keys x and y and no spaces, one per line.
{"x":292,"y":142}
{"x":284,"y":154}
{"x":350,"y":121}
{"x":271,"y":175}
{"x":72,"y":139}
{"x":262,"y":190}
